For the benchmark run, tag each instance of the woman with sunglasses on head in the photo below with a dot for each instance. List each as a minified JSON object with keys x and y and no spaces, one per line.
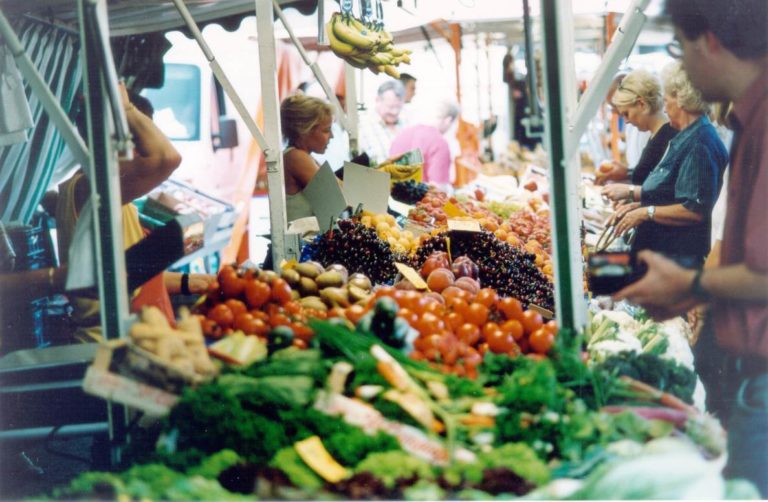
{"x":671,"y":208}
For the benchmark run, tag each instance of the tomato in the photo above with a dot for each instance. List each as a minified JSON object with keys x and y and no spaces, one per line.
{"x":468,"y":333}
{"x":257,"y":293}
{"x":551,"y":326}
{"x":260,"y":327}
{"x":449,"y":349}
{"x":236,"y":306}
{"x":299,"y":343}
{"x":458,"y":305}
{"x":483,"y":349}
{"x":488,"y":328}
{"x":410,"y":316}
{"x":500,"y":342}
{"x":210,"y":328}
{"x":293,"y":308}
{"x":429,"y":323}
{"x":451,"y":292}
{"x":278,"y":319}
{"x":227,"y":271}
{"x":246,"y":323}
{"x":487,"y":296}
{"x":433,"y":307}
{"x":477,"y":314}
{"x":355,"y":312}
{"x":336,"y":312}
{"x":531,"y":321}
{"x":302,"y":331}
{"x":541,"y":341}
{"x":222,"y":315}
{"x":416,"y":356}
{"x":281,"y":291}
{"x":232,"y":285}
{"x":453,"y":321}
{"x":511,"y":308}
{"x":472,"y":358}
{"x":259,"y":314}
{"x":514,"y":328}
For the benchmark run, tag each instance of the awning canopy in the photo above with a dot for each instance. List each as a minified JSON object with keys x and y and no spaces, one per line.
{"x":133,"y":17}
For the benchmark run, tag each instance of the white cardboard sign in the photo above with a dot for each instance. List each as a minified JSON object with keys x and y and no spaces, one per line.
{"x":325,"y":196}
{"x":366,"y":186}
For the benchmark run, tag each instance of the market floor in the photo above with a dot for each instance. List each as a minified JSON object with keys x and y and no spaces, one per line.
{"x":36,"y":468}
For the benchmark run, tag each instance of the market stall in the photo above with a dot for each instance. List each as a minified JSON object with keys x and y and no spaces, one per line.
{"x":433,"y":346}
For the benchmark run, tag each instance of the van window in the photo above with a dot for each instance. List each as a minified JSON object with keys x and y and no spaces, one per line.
{"x":177,"y":103}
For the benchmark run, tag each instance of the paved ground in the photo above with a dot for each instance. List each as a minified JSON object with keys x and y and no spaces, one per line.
{"x":35,"y":468}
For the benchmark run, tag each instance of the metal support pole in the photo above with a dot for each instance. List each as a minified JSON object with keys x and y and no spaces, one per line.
{"x":274,"y":159}
{"x":316,"y":71}
{"x":621,"y":45}
{"x":42,"y":91}
{"x":566,"y":242}
{"x":103,"y":172}
{"x":222,"y":78}
{"x":350,"y":84}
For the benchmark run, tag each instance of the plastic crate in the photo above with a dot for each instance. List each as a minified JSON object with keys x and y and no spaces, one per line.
{"x":32,"y":244}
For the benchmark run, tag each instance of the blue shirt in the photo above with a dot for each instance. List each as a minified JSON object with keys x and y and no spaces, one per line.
{"x":691,"y":174}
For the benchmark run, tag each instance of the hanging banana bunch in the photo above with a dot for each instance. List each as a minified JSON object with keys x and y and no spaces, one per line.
{"x":363,"y":46}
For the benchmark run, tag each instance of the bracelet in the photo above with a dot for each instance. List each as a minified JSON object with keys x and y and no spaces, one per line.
{"x":185,"y":284}
{"x":697,"y":289}
{"x":130,"y":107}
{"x":632,"y":194}
{"x":50,"y":277}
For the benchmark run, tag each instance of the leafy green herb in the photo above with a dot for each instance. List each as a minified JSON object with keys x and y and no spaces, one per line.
{"x":393,"y":465}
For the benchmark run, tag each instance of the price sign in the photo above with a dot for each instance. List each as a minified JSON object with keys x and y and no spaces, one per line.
{"x":464,"y":226}
{"x":411,"y":276}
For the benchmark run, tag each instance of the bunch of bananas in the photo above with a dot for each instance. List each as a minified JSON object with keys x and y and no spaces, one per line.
{"x":400,"y":172}
{"x":364,"y":47}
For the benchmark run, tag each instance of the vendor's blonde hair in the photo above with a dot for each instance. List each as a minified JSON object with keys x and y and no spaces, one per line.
{"x":639,"y":84}
{"x":679,"y":86}
{"x":299,"y":114}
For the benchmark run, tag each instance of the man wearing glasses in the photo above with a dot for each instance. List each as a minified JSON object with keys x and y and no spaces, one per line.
{"x":724,"y":49}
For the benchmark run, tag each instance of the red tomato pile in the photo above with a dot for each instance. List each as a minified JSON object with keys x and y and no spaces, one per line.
{"x":253,"y":302}
{"x":456,"y":332}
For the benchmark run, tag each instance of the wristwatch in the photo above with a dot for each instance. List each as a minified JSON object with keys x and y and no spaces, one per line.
{"x":651,"y":212}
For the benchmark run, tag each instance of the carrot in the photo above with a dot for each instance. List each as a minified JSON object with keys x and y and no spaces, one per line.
{"x":654,"y":394}
{"x":477,"y":421}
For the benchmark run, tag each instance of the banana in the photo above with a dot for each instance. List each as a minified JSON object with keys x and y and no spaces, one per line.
{"x":374,"y":68}
{"x":399,"y":51}
{"x":357,"y":61}
{"x":380,"y":58}
{"x":350,"y":35}
{"x":338,"y":47}
{"x":391,"y":71}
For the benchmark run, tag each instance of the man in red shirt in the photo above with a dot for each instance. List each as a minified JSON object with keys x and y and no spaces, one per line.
{"x":724,"y":48}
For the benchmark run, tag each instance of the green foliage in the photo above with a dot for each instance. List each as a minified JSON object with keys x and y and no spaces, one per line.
{"x":517,"y":457}
{"x":664,"y":374}
{"x":210,"y":418}
{"x":217,"y":463}
{"x":289,"y":461}
{"x":461,"y":387}
{"x":393,"y":465}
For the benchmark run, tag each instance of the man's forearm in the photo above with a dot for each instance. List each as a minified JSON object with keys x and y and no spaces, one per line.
{"x":735,"y":282}
{"x":676,"y":215}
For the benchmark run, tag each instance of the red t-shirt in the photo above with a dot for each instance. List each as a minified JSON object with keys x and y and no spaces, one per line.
{"x":742,"y":327}
{"x":434,"y":148}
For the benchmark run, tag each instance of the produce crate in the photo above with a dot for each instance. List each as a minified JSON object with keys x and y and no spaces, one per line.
{"x":127,"y":374}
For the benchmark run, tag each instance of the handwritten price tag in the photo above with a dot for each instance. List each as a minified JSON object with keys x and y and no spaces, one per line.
{"x":464,"y":226}
{"x":411,"y":276}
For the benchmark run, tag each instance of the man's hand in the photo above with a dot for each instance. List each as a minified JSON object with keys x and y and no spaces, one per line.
{"x":617,"y":191}
{"x":616,"y":171}
{"x":664,"y":291}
